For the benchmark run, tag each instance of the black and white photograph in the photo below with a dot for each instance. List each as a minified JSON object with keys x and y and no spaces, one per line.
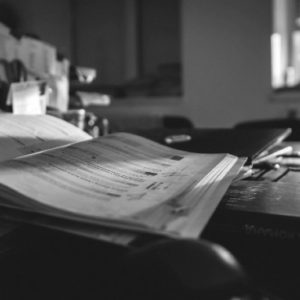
{"x":149,"y":150}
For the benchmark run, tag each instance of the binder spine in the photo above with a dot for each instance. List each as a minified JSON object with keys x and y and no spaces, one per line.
{"x":257,"y":225}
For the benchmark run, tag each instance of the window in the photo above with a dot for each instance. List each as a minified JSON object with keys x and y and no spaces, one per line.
{"x":133,"y":44}
{"x":285,"y":44}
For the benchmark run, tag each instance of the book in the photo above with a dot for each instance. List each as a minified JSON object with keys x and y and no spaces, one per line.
{"x":259,"y":209}
{"x":119,"y":181}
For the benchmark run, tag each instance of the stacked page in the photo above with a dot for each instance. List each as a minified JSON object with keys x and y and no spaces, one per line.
{"x":25,"y":134}
{"x":120,"y":181}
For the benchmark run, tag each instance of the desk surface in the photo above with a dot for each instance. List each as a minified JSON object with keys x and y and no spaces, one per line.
{"x":273,"y":262}
{"x":44,"y":263}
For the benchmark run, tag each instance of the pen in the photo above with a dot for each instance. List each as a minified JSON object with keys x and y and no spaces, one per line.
{"x":295,"y":154}
{"x":177,"y":138}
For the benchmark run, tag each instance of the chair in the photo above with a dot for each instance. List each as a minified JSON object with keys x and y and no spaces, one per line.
{"x":176,"y":122}
{"x":292,"y":123}
{"x":127,"y":121}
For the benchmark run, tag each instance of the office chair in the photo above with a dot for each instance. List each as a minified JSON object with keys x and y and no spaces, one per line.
{"x":124,"y":121}
{"x":176,"y":122}
{"x":292,"y":123}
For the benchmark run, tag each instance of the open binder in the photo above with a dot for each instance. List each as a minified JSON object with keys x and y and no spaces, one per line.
{"x":120,"y":181}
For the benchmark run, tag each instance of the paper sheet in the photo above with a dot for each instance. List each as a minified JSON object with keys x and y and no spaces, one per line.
{"x":21,"y":134}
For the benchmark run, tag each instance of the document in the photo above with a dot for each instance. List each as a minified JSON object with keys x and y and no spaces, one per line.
{"x":26,"y":134}
{"x":38,"y":56}
{"x":26,"y":98}
{"x":121,"y":181}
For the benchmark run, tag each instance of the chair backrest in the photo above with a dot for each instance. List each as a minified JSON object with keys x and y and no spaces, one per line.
{"x":294,"y":124}
{"x":175,"y":122}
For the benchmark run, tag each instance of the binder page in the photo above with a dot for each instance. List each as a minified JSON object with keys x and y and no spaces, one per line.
{"x":26,"y":134}
{"x":115,"y":177}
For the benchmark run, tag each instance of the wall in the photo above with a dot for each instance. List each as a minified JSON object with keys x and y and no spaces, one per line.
{"x":50,"y":20}
{"x":161,"y":44}
{"x":101,"y":38}
{"x":226,"y":54}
